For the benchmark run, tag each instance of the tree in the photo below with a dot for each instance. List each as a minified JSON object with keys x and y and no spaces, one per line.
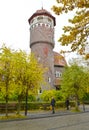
{"x":28,"y":76}
{"x":19,"y":73}
{"x":6,"y":75}
{"x":48,"y":94}
{"x":34,"y":76}
{"x":76,"y":35}
{"x":74,"y":83}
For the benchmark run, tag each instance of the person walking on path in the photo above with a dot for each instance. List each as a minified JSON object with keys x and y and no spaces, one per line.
{"x":53,"y":105}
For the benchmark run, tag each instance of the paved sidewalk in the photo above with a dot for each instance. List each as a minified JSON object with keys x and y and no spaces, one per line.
{"x":45,"y":114}
{"x":59,"y":112}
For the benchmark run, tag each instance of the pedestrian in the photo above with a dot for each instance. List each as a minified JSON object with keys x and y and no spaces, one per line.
{"x":53,"y":105}
{"x":67,"y":103}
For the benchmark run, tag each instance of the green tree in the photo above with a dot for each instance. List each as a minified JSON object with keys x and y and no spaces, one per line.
{"x":46,"y":95}
{"x":19,"y":73}
{"x":6,"y":74}
{"x":34,"y":76}
{"x":28,"y":76}
{"x":74,"y":83}
{"x":77,"y":34}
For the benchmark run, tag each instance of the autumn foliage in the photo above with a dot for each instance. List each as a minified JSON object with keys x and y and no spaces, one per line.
{"x":76,"y":35}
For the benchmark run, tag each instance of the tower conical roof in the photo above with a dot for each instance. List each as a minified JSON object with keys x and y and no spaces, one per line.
{"x":42,"y":12}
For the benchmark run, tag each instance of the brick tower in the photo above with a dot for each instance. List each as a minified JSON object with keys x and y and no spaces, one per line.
{"x":42,"y":42}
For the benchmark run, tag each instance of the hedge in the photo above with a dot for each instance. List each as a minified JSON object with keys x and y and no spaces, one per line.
{"x":33,"y":106}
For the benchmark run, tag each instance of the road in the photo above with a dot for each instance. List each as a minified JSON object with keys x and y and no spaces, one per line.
{"x":62,"y":122}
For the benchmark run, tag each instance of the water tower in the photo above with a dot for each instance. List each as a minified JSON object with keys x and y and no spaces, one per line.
{"x":42,"y":43}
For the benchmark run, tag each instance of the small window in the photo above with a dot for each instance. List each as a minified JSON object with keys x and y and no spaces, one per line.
{"x":58,"y":74}
{"x":49,"y":79}
{"x":40,"y":91}
{"x":39,"y":58}
{"x":39,"y":18}
{"x":49,"y":20}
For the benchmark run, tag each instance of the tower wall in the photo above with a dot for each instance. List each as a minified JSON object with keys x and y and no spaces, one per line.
{"x":41,"y":33}
{"x":44,"y":54}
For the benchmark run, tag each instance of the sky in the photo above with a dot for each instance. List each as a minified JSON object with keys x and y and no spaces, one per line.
{"x":14,"y":26}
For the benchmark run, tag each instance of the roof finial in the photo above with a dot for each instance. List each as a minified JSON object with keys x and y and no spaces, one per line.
{"x":42,"y":4}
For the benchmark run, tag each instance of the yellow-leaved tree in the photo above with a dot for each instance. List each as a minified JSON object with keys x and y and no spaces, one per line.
{"x":6,"y":74}
{"x":28,"y":76}
{"x":19,"y":73}
{"x":76,"y":35}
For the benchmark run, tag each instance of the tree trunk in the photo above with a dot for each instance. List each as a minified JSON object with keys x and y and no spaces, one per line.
{"x":26,"y":103}
{"x":6,"y":98}
{"x":6,"y":105}
{"x":77,"y":103}
{"x":19,"y":105}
